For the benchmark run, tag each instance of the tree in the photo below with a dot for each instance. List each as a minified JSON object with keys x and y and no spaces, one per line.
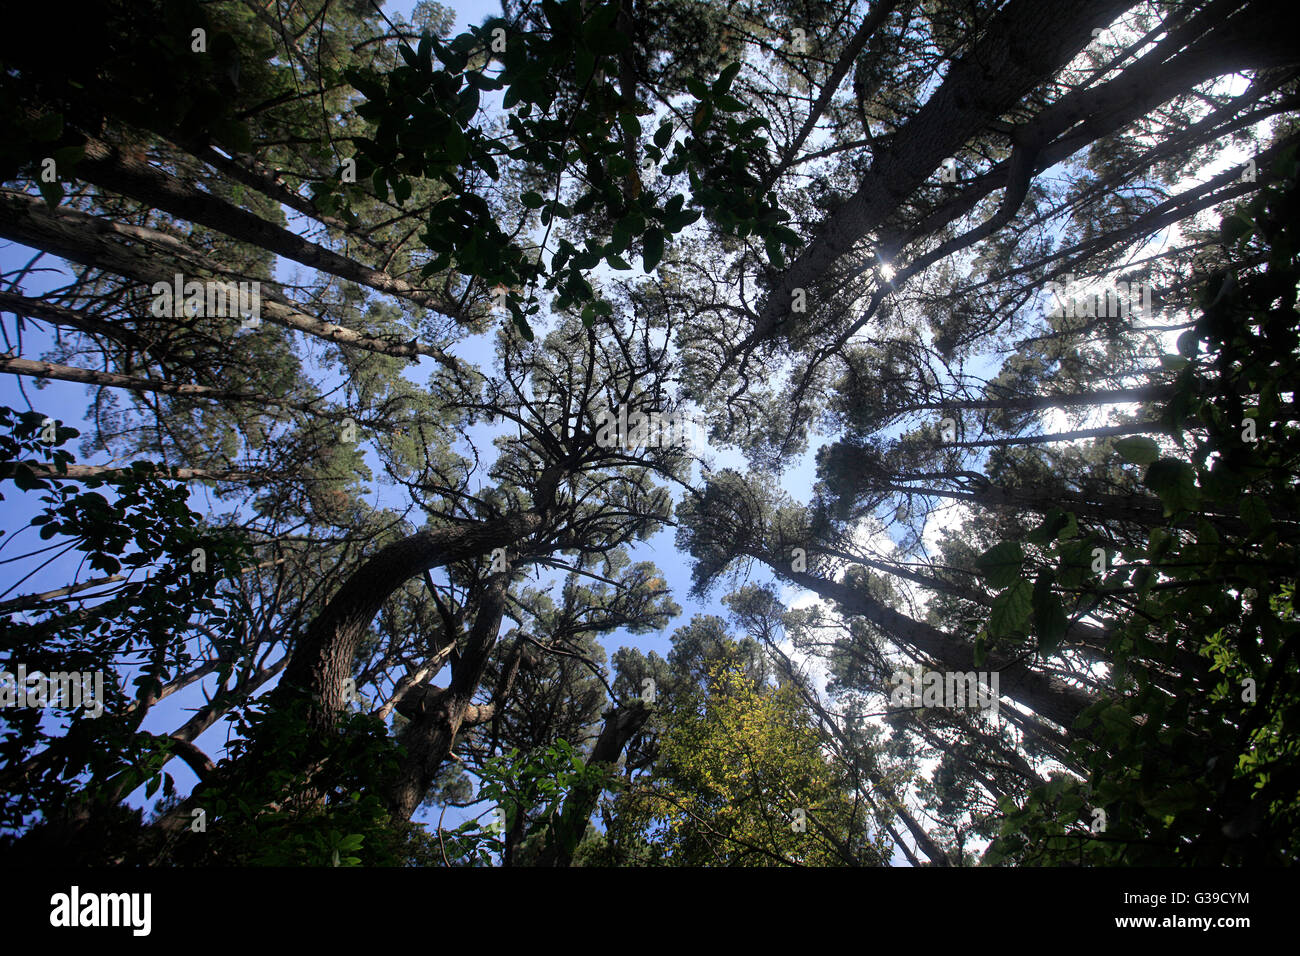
{"x":739,"y":774}
{"x":373,"y":296}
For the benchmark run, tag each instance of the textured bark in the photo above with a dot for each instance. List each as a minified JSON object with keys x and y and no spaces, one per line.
{"x":880,"y":12}
{"x":1110,"y":396}
{"x":1078,"y":434}
{"x":934,"y":853}
{"x":89,"y":240}
{"x":26,"y":602}
{"x":1086,"y":638}
{"x":1139,"y":509}
{"x":323,"y":660}
{"x":195,"y":758}
{"x":249,"y":171}
{"x":1025,"y":43}
{"x":67,"y":373}
{"x":69,"y":318}
{"x":1045,"y":695}
{"x":111,"y":168}
{"x":1079,"y":118}
{"x":411,"y":693}
{"x":221,"y":705}
{"x":432,"y":733}
{"x":75,"y":472}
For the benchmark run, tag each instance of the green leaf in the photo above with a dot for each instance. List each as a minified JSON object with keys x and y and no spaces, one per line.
{"x":652,"y":249}
{"x":606,"y":42}
{"x":1143,"y":579}
{"x":47,"y":127}
{"x":774,"y":253}
{"x":524,"y":328}
{"x":1116,"y":720}
{"x":1046,"y":532}
{"x":1001,"y":563}
{"x":1138,"y":449}
{"x":1234,"y":227}
{"x":1075,"y":563}
{"x":1255,"y":513}
{"x":66,"y":158}
{"x":1011,"y":609}
{"x":1175,"y":482}
{"x":26,"y":479}
{"x":1050,"y":622}
{"x":723,"y":83}
{"x":532,"y":200}
{"x":585,"y":61}
{"x":1158,"y":543}
{"x":698,"y":89}
{"x":676,"y":222}
{"x":51,"y":192}
{"x":488,"y":165}
{"x":232,"y":134}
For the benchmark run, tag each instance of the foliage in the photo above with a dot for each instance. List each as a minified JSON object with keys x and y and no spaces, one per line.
{"x":1202,"y":770}
{"x":742,"y":780}
{"x":142,"y":540}
{"x":526,"y":793}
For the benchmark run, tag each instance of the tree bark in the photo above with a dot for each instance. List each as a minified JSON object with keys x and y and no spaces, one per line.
{"x":79,"y":237}
{"x":1025,"y":43}
{"x":110,"y":168}
{"x":67,"y":373}
{"x":1046,"y":696}
{"x":621,"y":725}
{"x":432,"y":733}
{"x":322,"y":661}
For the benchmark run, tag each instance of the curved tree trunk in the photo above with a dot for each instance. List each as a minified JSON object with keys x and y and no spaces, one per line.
{"x":322,"y":661}
{"x":433,"y":730}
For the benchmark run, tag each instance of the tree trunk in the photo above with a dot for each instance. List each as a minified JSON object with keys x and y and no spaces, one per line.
{"x":1026,"y":42}
{"x":78,"y":237}
{"x":621,"y":725}
{"x":431,"y":735}
{"x":322,"y":661}
{"x":1047,"y":696}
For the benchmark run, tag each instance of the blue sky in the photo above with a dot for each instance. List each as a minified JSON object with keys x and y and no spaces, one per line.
{"x":68,"y":402}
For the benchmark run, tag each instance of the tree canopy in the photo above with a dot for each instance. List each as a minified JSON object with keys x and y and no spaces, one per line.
{"x":576,"y":437}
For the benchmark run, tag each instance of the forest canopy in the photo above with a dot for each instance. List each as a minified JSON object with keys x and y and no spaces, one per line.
{"x":650,"y":433}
